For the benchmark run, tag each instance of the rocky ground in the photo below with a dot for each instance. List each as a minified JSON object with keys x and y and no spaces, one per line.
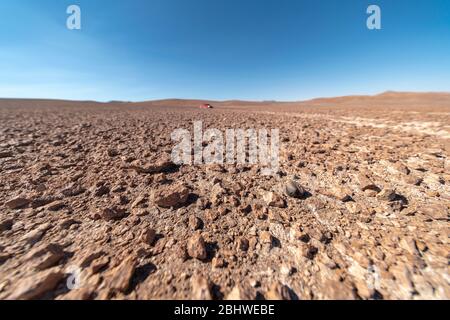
{"x":358,"y":210}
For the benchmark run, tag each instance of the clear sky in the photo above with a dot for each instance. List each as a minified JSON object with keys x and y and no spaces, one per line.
{"x":221,"y":49}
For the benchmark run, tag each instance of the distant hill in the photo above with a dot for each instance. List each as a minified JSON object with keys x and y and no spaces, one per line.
{"x":388,"y":98}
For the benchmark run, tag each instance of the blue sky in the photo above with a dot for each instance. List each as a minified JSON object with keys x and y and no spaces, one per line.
{"x":221,"y":49}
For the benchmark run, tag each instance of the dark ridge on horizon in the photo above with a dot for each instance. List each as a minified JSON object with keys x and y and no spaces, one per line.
{"x":385,"y":94}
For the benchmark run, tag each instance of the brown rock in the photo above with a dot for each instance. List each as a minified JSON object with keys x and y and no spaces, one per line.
{"x":302,"y":235}
{"x":6,"y":154}
{"x":121,"y":200}
{"x":161,"y":166}
{"x":90,"y":254}
{"x":272,"y":199}
{"x":139,"y":201}
{"x":212,"y":214}
{"x":73,"y":191}
{"x":112,"y":214}
{"x":370,"y":193}
{"x":260,"y":211}
{"x":80,"y":294}
{"x":202,"y":204}
{"x":241,"y":292}
{"x":4,"y":257}
{"x":275,"y":217}
{"x":320,"y":235}
{"x":121,"y":276}
{"x":409,"y":244}
{"x":17,"y":203}
{"x":234,"y":201}
{"x":148,"y":236}
{"x":40,"y":202}
{"x":46,"y":256}
{"x":308,"y":251}
{"x":366,"y":184}
{"x":414,"y":180}
{"x":196,"y":247}
{"x":216,"y":168}
{"x":56,"y":206}
{"x":223,"y":211}
{"x":101,"y":191}
{"x":217,"y":194}
{"x":118,"y":188}
{"x":6,"y":225}
{"x":245,"y":209}
{"x":354,"y":207}
{"x":201,"y":288}
{"x":436,"y":212}
{"x":98,"y":264}
{"x":140,"y":212}
{"x":218,"y":262}
{"x":277,"y":291}
{"x":37,"y":285}
{"x":195,"y":223}
{"x":387,"y":195}
{"x":171,"y":196}
{"x":294,"y":190}
{"x":337,"y":290}
{"x":242,"y":244}
{"x":340,"y":193}
{"x":113,"y":152}
{"x":36,"y":235}
{"x":266,"y":237}
{"x":181,"y":252}
{"x":400,"y":167}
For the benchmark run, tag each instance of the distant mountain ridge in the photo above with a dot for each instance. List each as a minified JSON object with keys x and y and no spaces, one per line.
{"x":385,"y":98}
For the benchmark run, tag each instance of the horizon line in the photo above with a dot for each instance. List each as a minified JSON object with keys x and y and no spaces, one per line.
{"x":231,"y":100}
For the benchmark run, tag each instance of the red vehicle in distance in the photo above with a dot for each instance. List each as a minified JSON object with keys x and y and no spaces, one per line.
{"x":206,"y":106}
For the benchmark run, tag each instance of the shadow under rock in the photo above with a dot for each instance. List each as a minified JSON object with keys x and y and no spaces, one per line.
{"x":140,"y":275}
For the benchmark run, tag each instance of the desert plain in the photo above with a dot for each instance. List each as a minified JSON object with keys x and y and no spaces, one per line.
{"x":91,"y":206}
